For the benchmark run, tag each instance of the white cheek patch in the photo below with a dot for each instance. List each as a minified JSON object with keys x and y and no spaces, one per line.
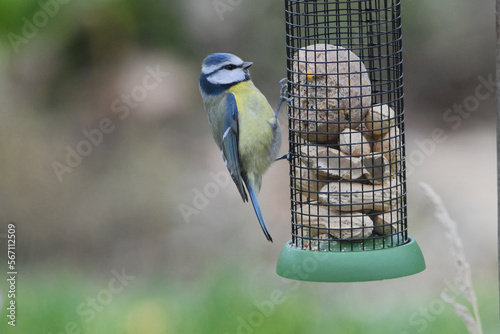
{"x":224,"y":77}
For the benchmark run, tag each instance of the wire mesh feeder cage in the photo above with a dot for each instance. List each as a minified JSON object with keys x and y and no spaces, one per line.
{"x":346,"y":142}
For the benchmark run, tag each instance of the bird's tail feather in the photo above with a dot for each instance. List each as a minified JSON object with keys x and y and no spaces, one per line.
{"x":258,"y":211}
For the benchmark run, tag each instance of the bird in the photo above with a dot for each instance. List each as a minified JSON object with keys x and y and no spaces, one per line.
{"x":244,"y":125}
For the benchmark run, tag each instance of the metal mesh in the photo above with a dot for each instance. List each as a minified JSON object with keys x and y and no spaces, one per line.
{"x":346,"y":133}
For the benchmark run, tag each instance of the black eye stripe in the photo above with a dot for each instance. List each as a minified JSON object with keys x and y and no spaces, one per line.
{"x":231,"y":67}
{"x":228,"y":67}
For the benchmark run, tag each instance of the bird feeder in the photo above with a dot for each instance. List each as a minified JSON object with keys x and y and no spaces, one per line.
{"x":346,"y":143}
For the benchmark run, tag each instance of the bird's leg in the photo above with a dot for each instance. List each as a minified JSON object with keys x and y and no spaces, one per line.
{"x":284,"y":156}
{"x":283,"y":95}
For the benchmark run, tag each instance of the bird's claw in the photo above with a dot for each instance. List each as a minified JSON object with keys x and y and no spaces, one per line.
{"x":284,"y":83}
{"x":284,"y":91}
{"x":283,"y":95}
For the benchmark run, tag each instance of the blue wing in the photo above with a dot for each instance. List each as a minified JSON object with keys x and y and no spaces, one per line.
{"x":230,"y":152}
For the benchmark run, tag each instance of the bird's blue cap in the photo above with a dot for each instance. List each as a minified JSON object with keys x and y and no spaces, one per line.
{"x":217,"y":58}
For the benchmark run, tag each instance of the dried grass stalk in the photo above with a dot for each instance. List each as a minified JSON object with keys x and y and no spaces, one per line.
{"x":464,"y":313}
{"x":463,"y":279}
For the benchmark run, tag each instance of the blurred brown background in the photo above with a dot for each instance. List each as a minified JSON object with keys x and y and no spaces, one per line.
{"x":121,"y":205}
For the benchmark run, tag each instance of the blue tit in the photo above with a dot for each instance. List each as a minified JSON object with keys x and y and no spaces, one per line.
{"x":244,"y":125}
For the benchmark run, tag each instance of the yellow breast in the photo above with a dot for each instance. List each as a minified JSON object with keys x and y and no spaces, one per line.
{"x":255,"y":120}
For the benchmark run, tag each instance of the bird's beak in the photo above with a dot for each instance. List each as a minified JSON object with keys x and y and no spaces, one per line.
{"x":246,"y":64}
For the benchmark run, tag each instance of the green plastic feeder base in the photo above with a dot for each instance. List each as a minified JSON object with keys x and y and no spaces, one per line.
{"x":350,"y":266}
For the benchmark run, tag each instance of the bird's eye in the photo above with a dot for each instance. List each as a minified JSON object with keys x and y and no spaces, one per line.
{"x":230,"y":67}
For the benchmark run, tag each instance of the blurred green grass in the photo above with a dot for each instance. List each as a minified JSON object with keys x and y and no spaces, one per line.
{"x":51,"y":303}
